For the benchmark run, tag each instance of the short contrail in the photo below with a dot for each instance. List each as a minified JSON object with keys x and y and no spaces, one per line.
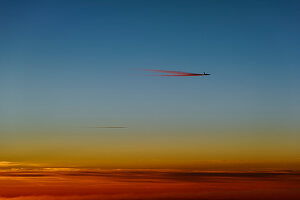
{"x":174,"y":73}
{"x":109,"y":127}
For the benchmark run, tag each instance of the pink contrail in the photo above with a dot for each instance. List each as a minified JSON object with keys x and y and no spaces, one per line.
{"x":175,"y":73}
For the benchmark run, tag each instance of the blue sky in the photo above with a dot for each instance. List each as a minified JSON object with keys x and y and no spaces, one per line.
{"x":68,"y":65}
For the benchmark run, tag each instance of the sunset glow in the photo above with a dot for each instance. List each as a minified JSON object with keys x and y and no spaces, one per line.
{"x":149,"y":100}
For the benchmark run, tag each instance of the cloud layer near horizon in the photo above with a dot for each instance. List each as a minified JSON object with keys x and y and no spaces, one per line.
{"x":91,"y":184}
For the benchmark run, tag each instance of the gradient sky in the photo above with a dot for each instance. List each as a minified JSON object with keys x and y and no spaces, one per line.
{"x":69,"y":66}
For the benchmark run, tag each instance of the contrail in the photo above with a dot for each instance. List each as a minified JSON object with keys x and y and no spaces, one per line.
{"x":174,"y":73}
{"x":109,"y":127}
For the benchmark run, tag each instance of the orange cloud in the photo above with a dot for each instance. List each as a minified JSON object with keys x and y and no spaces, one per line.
{"x":91,"y":184}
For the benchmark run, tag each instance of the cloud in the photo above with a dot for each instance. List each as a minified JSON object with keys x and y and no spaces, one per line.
{"x":148,"y":175}
{"x":116,"y":197}
{"x":8,"y":164}
{"x":143,"y":184}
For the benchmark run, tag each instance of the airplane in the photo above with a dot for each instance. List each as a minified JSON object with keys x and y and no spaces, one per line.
{"x":175,"y":73}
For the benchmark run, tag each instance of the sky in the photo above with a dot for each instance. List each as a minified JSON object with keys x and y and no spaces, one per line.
{"x":68,"y":67}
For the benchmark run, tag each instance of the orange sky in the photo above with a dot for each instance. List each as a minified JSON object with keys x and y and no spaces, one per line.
{"x":71,"y":78}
